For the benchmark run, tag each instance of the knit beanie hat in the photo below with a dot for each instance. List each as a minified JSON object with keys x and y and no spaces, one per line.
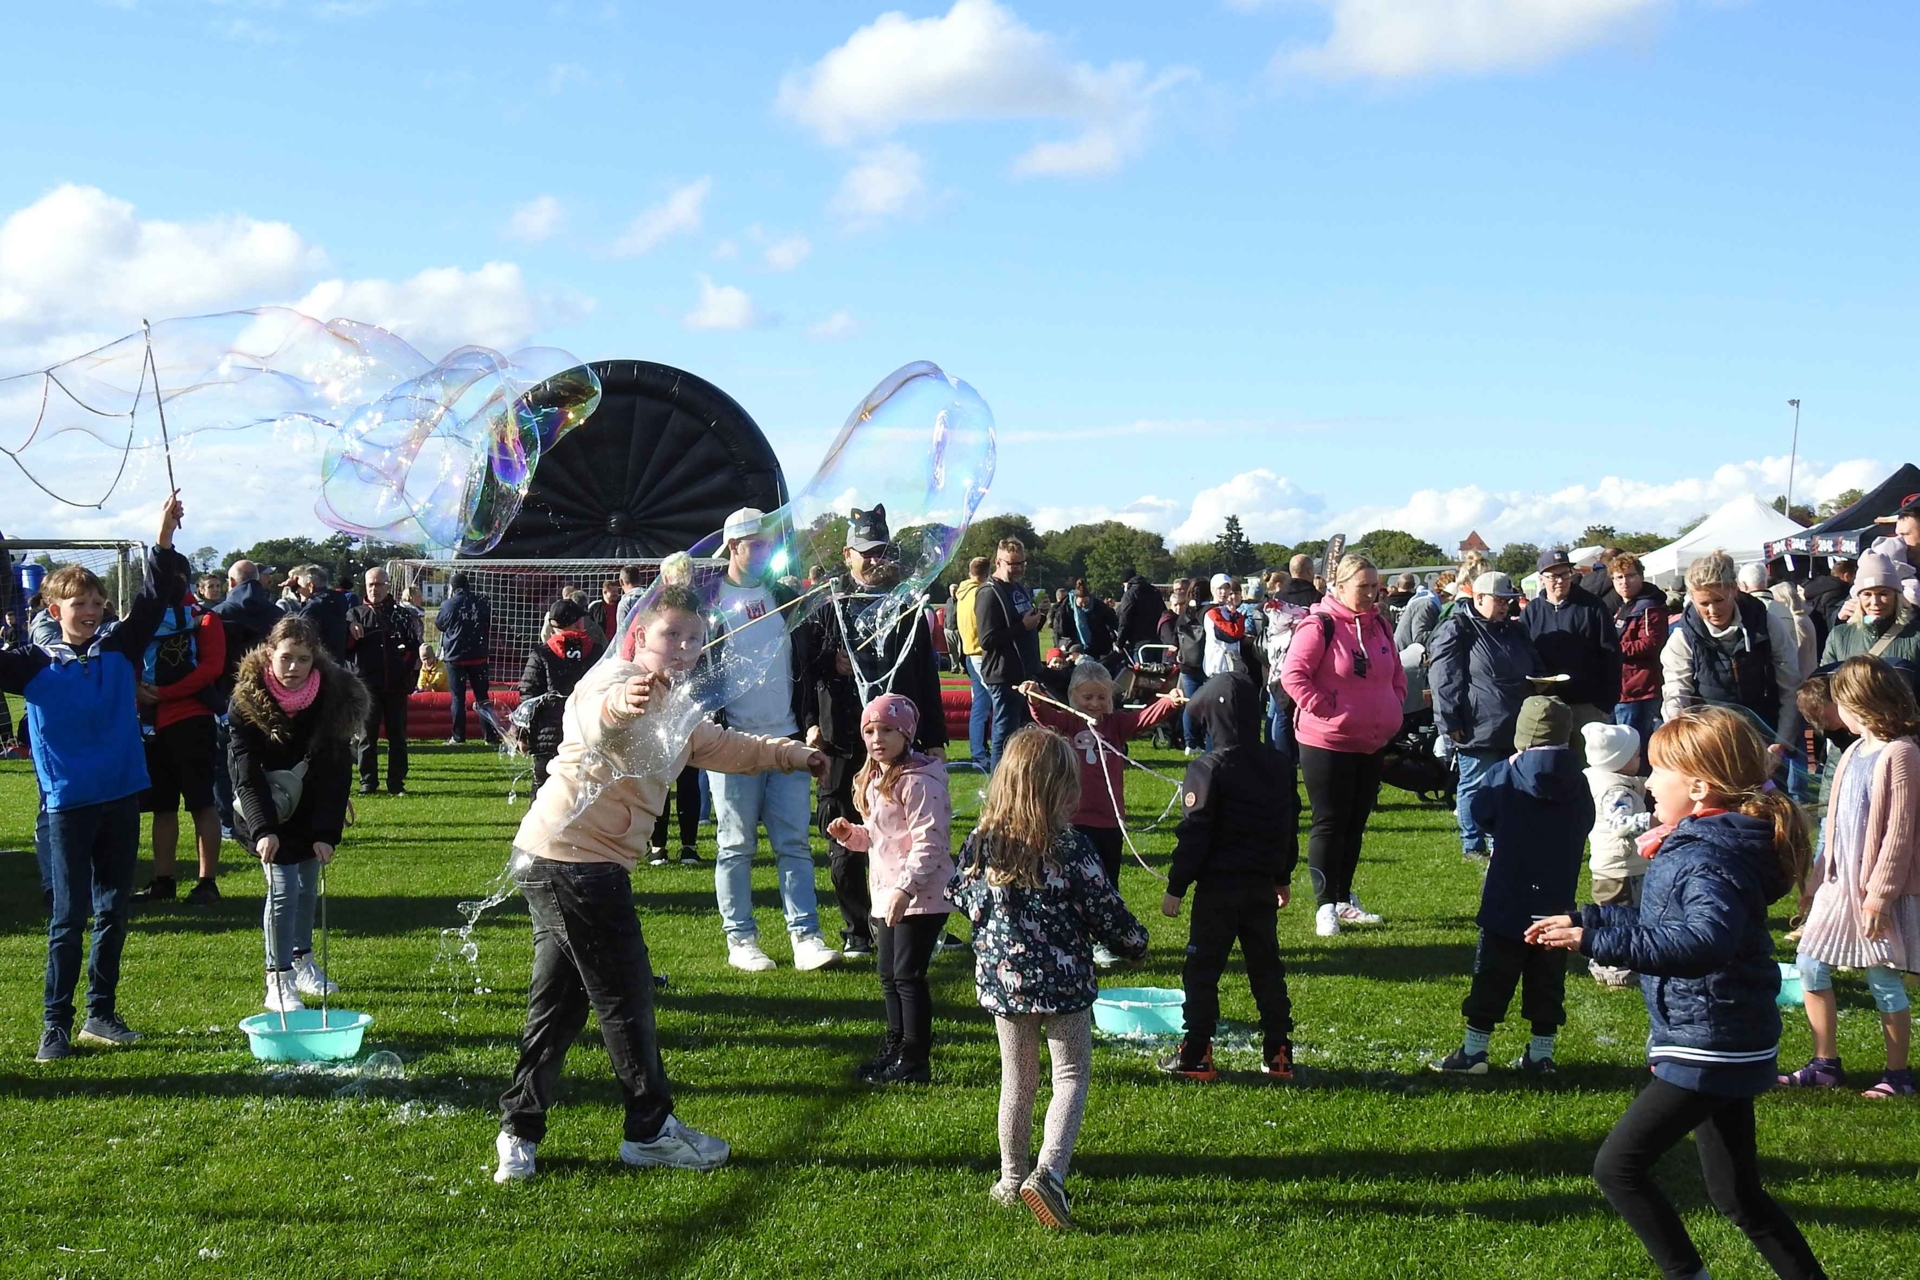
{"x":1610,"y":746}
{"x":893,"y":710}
{"x":1544,"y":722}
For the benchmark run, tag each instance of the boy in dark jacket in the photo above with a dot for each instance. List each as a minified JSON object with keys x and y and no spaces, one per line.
{"x":1237,"y":843}
{"x":551,"y":672}
{"x":1539,"y":808}
{"x":92,"y":768}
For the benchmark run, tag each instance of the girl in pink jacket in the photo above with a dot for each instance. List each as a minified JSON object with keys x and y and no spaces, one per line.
{"x":907,"y":838}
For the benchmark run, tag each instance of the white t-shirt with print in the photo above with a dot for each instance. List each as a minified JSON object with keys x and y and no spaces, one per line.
{"x":758,"y":662}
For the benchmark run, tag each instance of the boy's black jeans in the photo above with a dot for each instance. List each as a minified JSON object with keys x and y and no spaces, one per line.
{"x":587,"y":954}
{"x":1225,"y":910}
{"x":1499,"y":965}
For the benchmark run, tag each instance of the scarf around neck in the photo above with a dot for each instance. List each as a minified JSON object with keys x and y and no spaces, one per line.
{"x":292,"y":701}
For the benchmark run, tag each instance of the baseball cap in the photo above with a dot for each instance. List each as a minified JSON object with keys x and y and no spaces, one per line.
{"x":744,"y":523}
{"x":1554,"y":558}
{"x":867,"y":530}
{"x":1219,"y":580}
{"x":1495,"y":583}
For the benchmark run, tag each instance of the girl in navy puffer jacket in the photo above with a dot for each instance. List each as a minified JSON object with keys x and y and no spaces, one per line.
{"x":1726,"y":848}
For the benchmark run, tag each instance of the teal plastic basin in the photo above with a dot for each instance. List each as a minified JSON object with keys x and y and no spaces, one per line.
{"x":306,"y":1038}
{"x":1140,"y":1011}
{"x":1792,"y":994}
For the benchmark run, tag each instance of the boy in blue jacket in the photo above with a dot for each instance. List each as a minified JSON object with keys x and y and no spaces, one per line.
{"x":92,"y":769}
{"x":1539,"y":808}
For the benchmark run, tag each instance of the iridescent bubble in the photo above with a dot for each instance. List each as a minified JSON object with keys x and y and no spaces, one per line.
{"x":410,"y":450}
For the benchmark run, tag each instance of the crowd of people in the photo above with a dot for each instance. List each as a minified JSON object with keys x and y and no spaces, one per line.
{"x":1679,"y":743}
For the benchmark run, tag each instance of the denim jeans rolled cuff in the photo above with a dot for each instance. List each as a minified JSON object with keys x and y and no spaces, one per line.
{"x":783,"y":804}
{"x":293,"y":891}
{"x":91,"y":854}
{"x":589,"y":955}
{"x":1190,"y":685}
{"x":1010,"y":715}
{"x":1889,"y":990}
{"x":979,"y":718}
{"x":1473,"y":767}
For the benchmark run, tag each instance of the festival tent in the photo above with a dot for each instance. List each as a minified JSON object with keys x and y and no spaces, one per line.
{"x":1742,"y":528}
{"x":1848,"y":532}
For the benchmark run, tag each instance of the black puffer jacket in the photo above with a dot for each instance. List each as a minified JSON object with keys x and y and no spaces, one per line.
{"x":1700,"y":944}
{"x":327,"y":611}
{"x":551,"y":672}
{"x":1141,"y":605}
{"x":1241,"y":809}
{"x":262,"y":737}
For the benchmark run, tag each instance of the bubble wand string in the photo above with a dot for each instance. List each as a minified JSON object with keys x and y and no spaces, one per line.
{"x":763,"y":617}
{"x":1119,"y":810}
{"x":160,"y":406}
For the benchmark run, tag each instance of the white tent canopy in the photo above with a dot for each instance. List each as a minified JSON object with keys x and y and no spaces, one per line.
{"x":1742,"y":529}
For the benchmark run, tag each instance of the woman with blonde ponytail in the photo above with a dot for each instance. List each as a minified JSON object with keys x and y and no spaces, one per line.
{"x":1728,"y":845}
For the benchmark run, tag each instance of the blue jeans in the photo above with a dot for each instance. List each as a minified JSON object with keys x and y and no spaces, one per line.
{"x":91,"y":852}
{"x":1010,"y":715}
{"x":1888,"y":988}
{"x":1643,"y":717}
{"x":979,"y":719}
{"x":742,"y":804}
{"x":293,"y":889}
{"x":1473,"y":771}
{"x":1190,"y":736}
{"x":1280,"y":732}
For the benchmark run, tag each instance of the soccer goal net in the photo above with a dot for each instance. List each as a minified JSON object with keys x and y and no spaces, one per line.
{"x":118,"y":565}
{"x":521,"y":592}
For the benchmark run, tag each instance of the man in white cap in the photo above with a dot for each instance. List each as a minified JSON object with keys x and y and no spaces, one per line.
{"x":760,"y":662}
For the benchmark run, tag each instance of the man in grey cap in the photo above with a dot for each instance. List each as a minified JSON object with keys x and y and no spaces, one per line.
{"x":1481,"y":661}
{"x":762,"y":667}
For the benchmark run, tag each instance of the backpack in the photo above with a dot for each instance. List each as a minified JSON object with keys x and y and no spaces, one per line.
{"x":1276,"y":658}
{"x":175,"y":648}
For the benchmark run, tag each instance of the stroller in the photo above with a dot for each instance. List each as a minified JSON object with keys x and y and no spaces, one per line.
{"x":1138,"y":683}
{"x":1412,"y":762}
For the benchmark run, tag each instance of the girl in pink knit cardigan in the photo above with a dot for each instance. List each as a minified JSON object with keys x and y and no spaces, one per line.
{"x":908,"y":840}
{"x":1864,"y":911}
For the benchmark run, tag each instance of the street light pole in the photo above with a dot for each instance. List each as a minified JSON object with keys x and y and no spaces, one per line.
{"x":1792,"y":454}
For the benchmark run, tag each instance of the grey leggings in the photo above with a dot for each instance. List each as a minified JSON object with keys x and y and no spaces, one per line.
{"x":1070,"y":1046}
{"x":292,"y":890}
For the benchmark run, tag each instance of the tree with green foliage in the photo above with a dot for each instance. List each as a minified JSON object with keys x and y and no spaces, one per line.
{"x":1272,"y":556}
{"x":1800,"y":512}
{"x":1517,"y":559}
{"x":1233,"y":550}
{"x":1195,"y":560}
{"x":1120,"y":550}
{"x":983,"y":538}
{"x":1393,"y":549}
{"x":1839,"y":502}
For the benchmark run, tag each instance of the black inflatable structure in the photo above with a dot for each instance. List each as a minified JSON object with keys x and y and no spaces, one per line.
{"x":658,"y":466}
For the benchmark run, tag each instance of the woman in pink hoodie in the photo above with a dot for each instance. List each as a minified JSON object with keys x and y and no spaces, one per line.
{"x":907,"y":838}
{"x":1344,"y":676}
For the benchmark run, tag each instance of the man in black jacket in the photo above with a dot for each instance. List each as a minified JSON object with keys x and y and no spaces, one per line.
{"x":1141,"y":605}
{"x":324,"y":607}
{"x":1826,"y":593}
{"x":1576,"y":638}
{"x":465,"y":622}
{"x":845,"y":672}
{"x":1009,"y":628}
{"x":1299,"y":588}
{"x":383,"y":649}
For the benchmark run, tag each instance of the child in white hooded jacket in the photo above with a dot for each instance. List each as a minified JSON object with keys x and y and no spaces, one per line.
{"x":1620,"y":818}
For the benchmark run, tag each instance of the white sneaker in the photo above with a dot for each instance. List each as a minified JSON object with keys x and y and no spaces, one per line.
{"x":1326,"y":921}
{"x":1351,"y":912}
{"x":657,"y":856}
{"x":810,"y":951}
{"x":745,"y":953}
{"x":282,"y":995}
{"x":677,"y":1147}
{"x":516,"y":1158}
{"x":309,"y":979}
{"x":1103,"y":957}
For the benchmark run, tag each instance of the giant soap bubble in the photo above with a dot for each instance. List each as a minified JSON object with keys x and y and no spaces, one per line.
{"x":411,"y":450}
{"x":920,"y":446}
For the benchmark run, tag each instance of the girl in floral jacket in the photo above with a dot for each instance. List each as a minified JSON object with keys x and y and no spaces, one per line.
{"x":1039,"y":901}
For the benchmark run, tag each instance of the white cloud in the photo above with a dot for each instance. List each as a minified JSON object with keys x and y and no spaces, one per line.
{"x":887,"y":181}
{"x":726,"y":251}
{"x":1402,"y":39}
{"x":536,"y":220}
{"x":978,"y":62}
{"x":836,"y":326}
{"x":723,"y":308}
{"x":438,"y":309}
{"x":680,"y":212}
{"x":1273,"y":508}
{"x":787,"y":253}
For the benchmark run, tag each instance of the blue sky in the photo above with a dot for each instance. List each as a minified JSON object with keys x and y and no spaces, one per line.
{"x":1328,"y":264}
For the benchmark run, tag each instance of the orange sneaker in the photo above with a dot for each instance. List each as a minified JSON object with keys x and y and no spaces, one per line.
{"x":1279,"y":1064}
{"x":1178,"y":1063}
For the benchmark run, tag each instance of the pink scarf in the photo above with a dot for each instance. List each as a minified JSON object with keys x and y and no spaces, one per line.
{"x":292,"y":701}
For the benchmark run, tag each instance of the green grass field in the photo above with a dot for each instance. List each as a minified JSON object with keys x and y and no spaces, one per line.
{"x":183,"y":1157}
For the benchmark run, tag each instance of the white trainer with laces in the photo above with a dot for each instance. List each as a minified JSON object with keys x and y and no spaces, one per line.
{"x":810,"y":951}
{"x":1351,"y":912}
{"x":516,"y":1158}
{"x":745,"y":953}
{"x":1103,"y":956}
{"x":677,"y":1146}
{"x":282,"y":995}
{"x":309,"y":979}
{"x":1326,"y":921}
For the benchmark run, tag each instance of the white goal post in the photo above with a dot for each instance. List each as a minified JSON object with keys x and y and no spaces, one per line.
{"x":120,"y":565}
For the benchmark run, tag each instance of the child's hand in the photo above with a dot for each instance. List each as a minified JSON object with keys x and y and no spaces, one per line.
{"x":813,"y":735}
{"x":1177,"y":696}
{"x":1873,"y":924}
{"x":323,"y":852}
{"x":1170,"y":906}
{"x":172,"y":515}
{"x":1282,"y":895}
{"x":896,"y":909}
{"x":1556,"y":931}
{"x":266,"y":846}
{"x":1028,"y":688}
{"x":630,"y":697}
{"x":840,"y":829}
{"x":818,"y":764}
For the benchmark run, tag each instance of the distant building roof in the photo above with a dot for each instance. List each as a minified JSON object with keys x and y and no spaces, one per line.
{"x":1474,"y":542}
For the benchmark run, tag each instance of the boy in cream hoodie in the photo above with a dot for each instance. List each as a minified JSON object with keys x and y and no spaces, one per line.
{"x":1620,"y":819}
{"x":573,"y":854}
